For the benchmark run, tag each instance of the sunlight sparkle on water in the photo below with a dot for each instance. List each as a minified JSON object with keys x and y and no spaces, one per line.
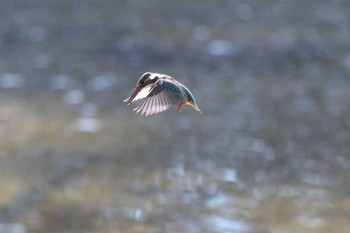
{"x":75,"y":96}
{"x":221,"y":224}
{"x":221,"y":48}
{"x":61,"y":82}
{"x":11,"y":80}
{"x":91,"y":125}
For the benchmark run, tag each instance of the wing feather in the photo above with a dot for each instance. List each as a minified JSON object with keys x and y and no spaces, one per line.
{"x":154,"y":105}
{"x":150,"y":107}
{"x":163,"y":103}
{"x":147,"y":105}
{"x":144,"y":110}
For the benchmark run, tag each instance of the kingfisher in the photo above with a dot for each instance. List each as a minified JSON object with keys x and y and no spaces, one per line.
{"x":160,"y":92}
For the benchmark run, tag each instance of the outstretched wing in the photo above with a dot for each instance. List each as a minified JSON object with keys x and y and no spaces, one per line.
{"x":161,"y":97}
{"x":142,"y":94}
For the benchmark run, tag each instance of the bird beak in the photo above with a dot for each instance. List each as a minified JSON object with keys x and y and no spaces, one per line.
{"x":136,"y":91}
{"x":195,"y":107}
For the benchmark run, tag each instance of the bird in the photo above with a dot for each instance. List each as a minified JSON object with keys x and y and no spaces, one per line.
{"x":160,"y":92}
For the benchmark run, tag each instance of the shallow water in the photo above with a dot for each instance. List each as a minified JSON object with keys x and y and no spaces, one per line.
{"x":269,"y":153}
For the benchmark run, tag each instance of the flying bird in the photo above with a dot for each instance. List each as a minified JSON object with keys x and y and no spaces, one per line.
{"x":160,"y":92}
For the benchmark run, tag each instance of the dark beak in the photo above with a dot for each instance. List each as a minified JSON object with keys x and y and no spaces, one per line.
{"x":136,"y":91}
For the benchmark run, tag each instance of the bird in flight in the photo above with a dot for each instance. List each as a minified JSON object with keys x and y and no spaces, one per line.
{"x":160,"y":92}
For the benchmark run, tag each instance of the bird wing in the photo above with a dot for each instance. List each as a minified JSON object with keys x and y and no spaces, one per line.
{"x":142,"y":94}
{"x":162,"y":96}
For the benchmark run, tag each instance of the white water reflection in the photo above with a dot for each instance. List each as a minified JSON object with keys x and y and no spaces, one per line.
{"x":87,"y":124}
{"x":222,"y":224}
{"x":11,"y":80}
{"x":221,"y":48}
{"x":102,"y":82}
{"x":74,"y":96}
{"x":136,"y":214}
{"x":217,"y":201}
{"x":230,"y":175}
{"x":310,"y":221}
{"x":61,"y":82}
{"x":89,"y":109}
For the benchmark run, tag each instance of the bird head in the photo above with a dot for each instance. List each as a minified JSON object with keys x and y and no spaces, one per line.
{"x":193,"y":103}
{"x":190,"y":100}
{"x":145,"y":82}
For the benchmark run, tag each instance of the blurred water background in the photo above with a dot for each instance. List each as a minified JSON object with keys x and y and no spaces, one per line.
{"x":269,"y":153}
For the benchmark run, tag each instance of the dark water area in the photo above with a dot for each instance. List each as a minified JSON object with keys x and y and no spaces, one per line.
{"x":269,"y":153}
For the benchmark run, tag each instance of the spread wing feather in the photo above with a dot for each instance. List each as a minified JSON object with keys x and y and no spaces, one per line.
{"x":142,"y":94}
{"x":161,"y":97}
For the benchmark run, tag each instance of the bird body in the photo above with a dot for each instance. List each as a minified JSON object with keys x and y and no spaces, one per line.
{"x":160,"y":92}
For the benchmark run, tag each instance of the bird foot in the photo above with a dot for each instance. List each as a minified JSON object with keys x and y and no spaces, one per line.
{"x":179,"y":106}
